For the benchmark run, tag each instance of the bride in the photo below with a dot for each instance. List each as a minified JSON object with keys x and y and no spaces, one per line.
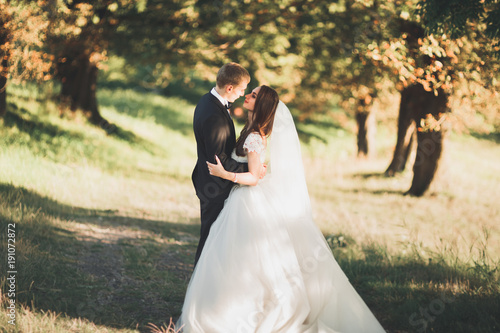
{"x":265,"y":266}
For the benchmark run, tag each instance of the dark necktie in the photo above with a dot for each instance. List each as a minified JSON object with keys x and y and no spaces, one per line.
{"x":229,"y":104}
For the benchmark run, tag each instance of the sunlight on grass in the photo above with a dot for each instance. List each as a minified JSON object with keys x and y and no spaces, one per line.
{"x":34,"y":321}
{"x":352,"y":196}
{"x":111,"y":216}
{"x":84,"y":167}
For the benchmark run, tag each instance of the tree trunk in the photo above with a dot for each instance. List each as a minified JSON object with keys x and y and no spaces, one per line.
{"x":3,"y":90}
{"x":430,"y":137}
{"x":422,"y":110}
{"x":3,"y":69}
{"x":365,"y":120}
{"x":406,"y":134}
{"x":429,"y":149}
{"x":364,"y":130}
{"x":79,"y":84}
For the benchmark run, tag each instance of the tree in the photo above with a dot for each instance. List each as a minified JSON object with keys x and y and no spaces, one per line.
{"x":311,"y":51}
{"x":165,"y":35}
{"x":22,"y":57}
{"x":456,"y":18}
{"x":4,"y":56}
{"x":432,"y":69}
{"x":71,"y":38}
{"x":77,"y":39}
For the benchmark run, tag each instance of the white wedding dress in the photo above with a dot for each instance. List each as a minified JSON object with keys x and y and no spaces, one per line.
{"x":265,"y":266}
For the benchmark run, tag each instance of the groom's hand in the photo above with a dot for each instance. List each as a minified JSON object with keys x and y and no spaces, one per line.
{"x":263,"y":170}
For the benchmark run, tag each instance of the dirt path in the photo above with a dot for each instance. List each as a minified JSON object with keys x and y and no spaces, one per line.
{"x":140,"y":275}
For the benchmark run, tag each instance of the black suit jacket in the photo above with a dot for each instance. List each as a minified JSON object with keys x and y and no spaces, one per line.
{"x":215,"y":135}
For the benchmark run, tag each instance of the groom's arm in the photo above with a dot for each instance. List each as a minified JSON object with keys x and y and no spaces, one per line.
{"x":216,"y":134}
{"x":234,"y":166}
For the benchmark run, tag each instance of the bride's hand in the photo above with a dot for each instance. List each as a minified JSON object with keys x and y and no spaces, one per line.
{"x":216,"y":169}
{"x":263,"y":170}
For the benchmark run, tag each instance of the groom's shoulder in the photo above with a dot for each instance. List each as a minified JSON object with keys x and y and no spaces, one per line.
{"x":207,"y":102}
{"x":208,"y":97}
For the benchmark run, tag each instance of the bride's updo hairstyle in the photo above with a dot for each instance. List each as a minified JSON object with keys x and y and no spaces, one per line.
{"x":263,"y":117}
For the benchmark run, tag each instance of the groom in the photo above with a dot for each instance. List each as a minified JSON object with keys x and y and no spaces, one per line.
{"x":215,"y":135}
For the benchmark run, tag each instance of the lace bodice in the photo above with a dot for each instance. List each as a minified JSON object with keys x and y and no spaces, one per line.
{"x":253,"y":142}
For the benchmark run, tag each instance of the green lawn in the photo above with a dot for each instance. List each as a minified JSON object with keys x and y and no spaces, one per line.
{"x":107,"y":222}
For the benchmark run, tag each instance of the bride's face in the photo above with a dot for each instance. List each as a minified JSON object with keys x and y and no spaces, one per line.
{"x":250,"y":102}
{"x":250,"y":99}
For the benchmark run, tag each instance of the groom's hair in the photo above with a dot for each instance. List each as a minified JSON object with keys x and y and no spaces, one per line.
{"x":231,"y":74}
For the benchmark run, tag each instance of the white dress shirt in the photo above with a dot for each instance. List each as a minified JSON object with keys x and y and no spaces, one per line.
{"x":220,"y":98}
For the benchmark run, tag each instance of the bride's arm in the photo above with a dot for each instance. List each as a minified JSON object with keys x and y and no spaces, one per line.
{"x":246,"y":178}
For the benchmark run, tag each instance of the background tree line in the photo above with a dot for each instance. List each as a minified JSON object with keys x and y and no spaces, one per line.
{"x":317,"y":54}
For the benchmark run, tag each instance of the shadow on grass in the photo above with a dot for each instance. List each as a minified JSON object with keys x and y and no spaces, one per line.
{"x":43,"y":131}
{"x":492,"y":136}
{"x":369,"y":175}
{"x":307,"y":128}
{"x":328,"y":124}
{"x":38,"y":130}
{"x":131,"y":138}
{"x":190,"y":92}
{"x":372,"y":175}
{"x":168,"y":115}
{"x":123,"y":282}
{"x":18,"y":197}
{"x":409,"y":293}
{"x":306,"y":136}
{"x":135,"y":105}
{"x":141,"y":276}
{"x":375,"y":192}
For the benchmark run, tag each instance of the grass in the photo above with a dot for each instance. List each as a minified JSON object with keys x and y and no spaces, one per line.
{"x":107,"y":222}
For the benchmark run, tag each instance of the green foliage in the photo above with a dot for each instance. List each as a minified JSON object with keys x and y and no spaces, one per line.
{"x":313,"y":52}
{"x":158,"y":33}
{"x":451,"y":17}
{"x":456,"y":17}
{"x":23,"y":33}
{"x":476,"y":19}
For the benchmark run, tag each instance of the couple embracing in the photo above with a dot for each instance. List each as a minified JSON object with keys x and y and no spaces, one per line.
{"x":262,"y":265}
